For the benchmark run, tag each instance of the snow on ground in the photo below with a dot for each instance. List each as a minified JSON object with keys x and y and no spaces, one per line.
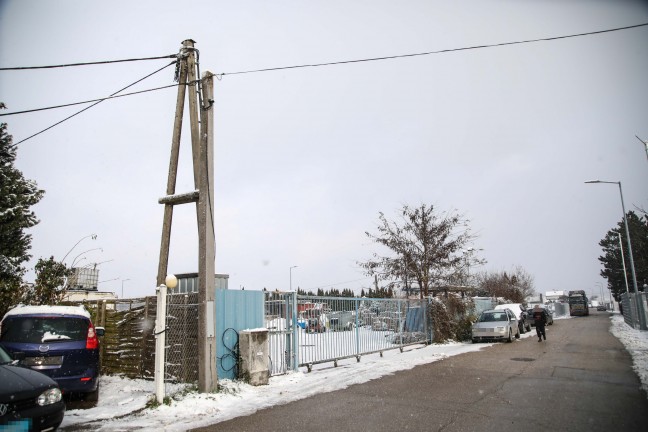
{"x":636,"y":342}
{"x":122,"y":402}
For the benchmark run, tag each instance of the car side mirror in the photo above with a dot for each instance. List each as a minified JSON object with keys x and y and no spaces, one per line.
{"x":100,"y":331}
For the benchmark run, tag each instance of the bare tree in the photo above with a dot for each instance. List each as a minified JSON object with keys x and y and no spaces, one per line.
{"x":515,"y":286}
{"x":423,"y":247}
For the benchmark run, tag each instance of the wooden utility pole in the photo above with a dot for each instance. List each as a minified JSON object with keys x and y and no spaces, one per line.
{"x":202,"y":146}
{"x":207,"y":376}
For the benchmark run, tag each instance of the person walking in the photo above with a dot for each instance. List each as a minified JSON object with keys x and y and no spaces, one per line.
{"x":540,"y":318}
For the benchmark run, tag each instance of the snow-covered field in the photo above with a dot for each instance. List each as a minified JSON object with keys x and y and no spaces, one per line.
{"x":122,"y":403}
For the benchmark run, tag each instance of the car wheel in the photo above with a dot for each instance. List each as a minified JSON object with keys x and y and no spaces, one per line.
{"x":92,"y":396}
{"x":510,"y":337}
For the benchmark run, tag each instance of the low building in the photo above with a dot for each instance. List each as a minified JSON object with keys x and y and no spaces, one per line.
{"x":81,"y":295}
{"x":556,"y":296}
{"x":188,"y":282}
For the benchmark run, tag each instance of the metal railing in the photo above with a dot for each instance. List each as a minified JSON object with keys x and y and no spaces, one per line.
{"x":308,"y":330}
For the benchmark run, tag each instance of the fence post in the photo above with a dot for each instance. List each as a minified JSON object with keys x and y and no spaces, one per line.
{"x":145,"y":336}
{"x":288,"y":342}
{"x":400,"y":319}
{"x":429,"y":325}
{"x":357,"y":326}
{"x":295,"y":350}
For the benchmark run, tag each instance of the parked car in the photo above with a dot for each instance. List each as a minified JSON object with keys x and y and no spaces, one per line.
{"x":59,"y":341}
{"x":492,"y":325}
{"x":548,"y":311}
{"x":520,"y":314}
{"x":28,"y":399}
{"x":600,"y":308}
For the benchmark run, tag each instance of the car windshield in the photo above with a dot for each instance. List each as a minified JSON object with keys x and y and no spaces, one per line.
{"x":40,"y":329}
{"x":493,"y":316}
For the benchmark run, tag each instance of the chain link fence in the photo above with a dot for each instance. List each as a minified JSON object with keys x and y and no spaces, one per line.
{"x":128,"y":346}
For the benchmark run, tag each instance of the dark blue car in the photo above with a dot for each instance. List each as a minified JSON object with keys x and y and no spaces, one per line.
{"x":59,"y":341}
{"x":29,"y":401}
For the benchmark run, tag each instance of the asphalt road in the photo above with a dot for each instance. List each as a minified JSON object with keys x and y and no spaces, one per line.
{"x":580,"y":379}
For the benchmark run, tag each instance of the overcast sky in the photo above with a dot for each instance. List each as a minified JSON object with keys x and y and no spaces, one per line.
{"x":305,"y":159}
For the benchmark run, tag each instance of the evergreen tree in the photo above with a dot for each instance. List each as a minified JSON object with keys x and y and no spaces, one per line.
{"x":49,"y":286}
{"x":17,"y":196}
{"x":613,"y":261}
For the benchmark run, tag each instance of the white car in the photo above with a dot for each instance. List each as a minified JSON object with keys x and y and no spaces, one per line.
{"x":520,"y":314}
{"x":495,"y":325}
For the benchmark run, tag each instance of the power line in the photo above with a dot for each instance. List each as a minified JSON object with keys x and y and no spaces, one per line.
{"x":87,"y":63}
{"x":221,"y":75}
{"x":90,"y":101}
{"x":94,"y":104}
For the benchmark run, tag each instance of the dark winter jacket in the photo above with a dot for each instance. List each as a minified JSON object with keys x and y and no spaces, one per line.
{"x":539,"y":316}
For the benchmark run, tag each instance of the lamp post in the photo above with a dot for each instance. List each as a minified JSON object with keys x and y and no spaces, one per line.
{"x":94,"y":237}
{"x":74,"y":261}
{"x":467,"y":253}
{"x":642,"y":323}
{"x":123,"y":280}
{"x":160,"y":334}
{"x":625,"y":272}
{"x":291,"y":276}
{"x":645,"y":143}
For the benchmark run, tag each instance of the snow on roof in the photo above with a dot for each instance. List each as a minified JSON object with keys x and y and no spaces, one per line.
{"x":49,"y":310}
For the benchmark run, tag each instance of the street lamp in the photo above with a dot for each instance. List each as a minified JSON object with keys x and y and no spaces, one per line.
{"x":625,"y":272}
{"x":94,"y":237}
{"x":160,"y":334}
{"x":466,"y":254}
{"x":638,"y":301}
{"x":645,"y":143}
{"x":74,"y":261}
{"x":123,"y":280}
{"x":291,"y":276}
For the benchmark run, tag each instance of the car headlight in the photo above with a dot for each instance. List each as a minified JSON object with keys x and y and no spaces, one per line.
{"x":499,"y":329}
{"x":49,"y":397}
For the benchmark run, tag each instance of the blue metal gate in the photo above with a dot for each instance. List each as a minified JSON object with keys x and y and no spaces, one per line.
{"x":235,"y":311}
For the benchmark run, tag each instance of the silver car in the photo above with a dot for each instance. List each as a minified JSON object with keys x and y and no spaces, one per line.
{"x":495,"y":325}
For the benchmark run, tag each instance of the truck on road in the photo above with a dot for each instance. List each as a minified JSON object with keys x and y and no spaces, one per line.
{"x":578,"y":303}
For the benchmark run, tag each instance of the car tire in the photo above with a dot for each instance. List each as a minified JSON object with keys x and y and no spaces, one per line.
{"x":510,"y":337}
{"x":92,"y":396}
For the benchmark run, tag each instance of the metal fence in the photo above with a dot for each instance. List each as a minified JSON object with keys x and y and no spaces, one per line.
{"x":629,"y":307}
{"x":307,"y":330}
{"x":128,"y":347}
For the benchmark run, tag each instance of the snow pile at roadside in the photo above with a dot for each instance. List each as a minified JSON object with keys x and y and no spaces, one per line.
{"x":121,"y":396}
{"x":636,"y":342}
